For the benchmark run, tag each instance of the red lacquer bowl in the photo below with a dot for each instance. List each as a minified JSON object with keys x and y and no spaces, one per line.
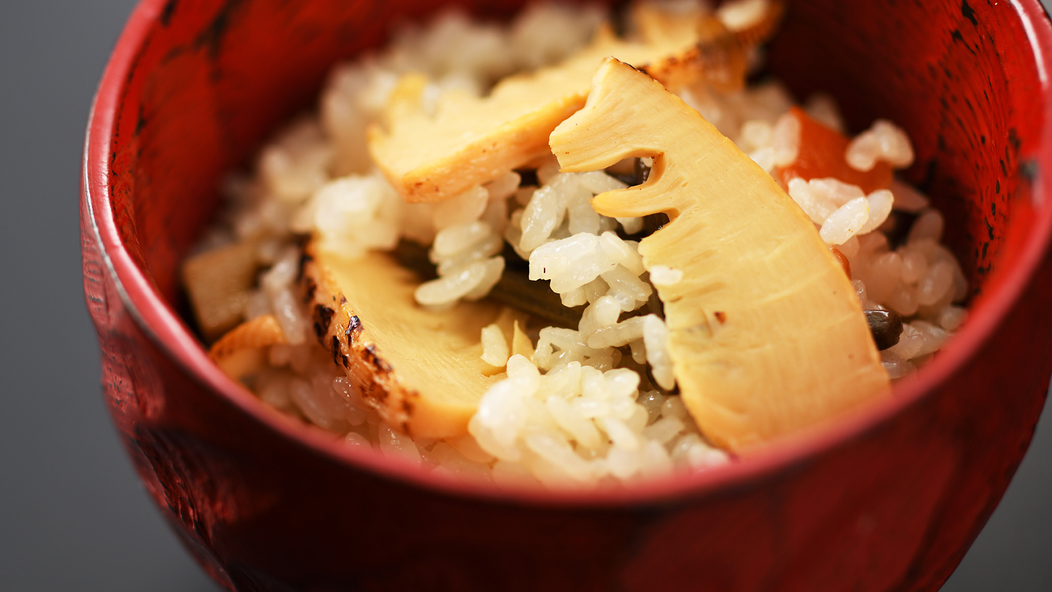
{"x":887,"y":499}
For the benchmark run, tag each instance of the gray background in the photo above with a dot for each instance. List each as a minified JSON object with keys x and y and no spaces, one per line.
{"x":72,"y":515}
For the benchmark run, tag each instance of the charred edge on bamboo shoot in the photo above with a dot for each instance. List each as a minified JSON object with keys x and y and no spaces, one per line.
{"x":305,"y":258}
{"x":374,"y":358}
{"x":354,"y":327}
{"x":322,"y":319}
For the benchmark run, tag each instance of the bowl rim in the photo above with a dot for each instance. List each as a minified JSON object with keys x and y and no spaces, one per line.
{"x":171,"y":335}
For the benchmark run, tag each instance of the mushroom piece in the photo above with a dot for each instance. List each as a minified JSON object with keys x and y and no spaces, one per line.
{"x":766,"y":335}
{"x":420,"y":369}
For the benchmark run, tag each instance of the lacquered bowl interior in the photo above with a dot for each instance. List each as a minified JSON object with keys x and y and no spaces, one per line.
{"x":194,"y":88}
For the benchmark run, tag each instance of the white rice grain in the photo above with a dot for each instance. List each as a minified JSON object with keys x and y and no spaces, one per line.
{"x":738,"y":15}
{"x":835,"y":191}
{"x":395,"y":444}
{"x":928,"y":226}
{"x":453,"y":240}
{"x":629,"y":290}
{"x":952,"y":317}
{"x":357,"y":440}
{"x":570,"y":263}
{"x":883,"y":275}
{"x":914,"y":264}
{"x":880,"y":203}
{"x":935,"y":284}
{"x":755,"y":134}
{"x":882,"y":141}
{"x":786,"y":140}
{"x":908,"y":199}
{"x":582,"y":429}
{"x":816,"y":208}
{"x":894,"y":365}
{"x":823,"y":107}
{"x":656,"y":461}
{"x":664,"y":429}
{"x":296,"y":164}
{"x":461,"y":209}
{"x":903,"y":300}
{"x":472,"y":282}
{"x":655,"y":336}
{"x":845,"y":222}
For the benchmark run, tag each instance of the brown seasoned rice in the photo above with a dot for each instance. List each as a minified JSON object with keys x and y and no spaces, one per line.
{"x":577,"y":405}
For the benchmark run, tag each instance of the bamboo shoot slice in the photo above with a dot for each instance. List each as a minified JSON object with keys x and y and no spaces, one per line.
{"x":421,"y":370}
{"x":242,"y":352}
{"x":469,"y":140}
{"x":766,"y":334}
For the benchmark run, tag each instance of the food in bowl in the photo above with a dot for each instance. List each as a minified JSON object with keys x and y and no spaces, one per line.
{"x":475,"y":258}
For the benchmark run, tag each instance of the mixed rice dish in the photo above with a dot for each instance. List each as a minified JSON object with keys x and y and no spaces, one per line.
{"x":474,"y":257}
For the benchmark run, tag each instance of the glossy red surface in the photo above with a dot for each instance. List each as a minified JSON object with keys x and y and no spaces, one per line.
{"x":889,"y":498}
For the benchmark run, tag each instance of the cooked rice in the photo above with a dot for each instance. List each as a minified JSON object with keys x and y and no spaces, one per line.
{"x":578,"y":406}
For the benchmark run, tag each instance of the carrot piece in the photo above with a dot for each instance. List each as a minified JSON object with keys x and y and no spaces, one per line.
{"x":821,"y":154}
